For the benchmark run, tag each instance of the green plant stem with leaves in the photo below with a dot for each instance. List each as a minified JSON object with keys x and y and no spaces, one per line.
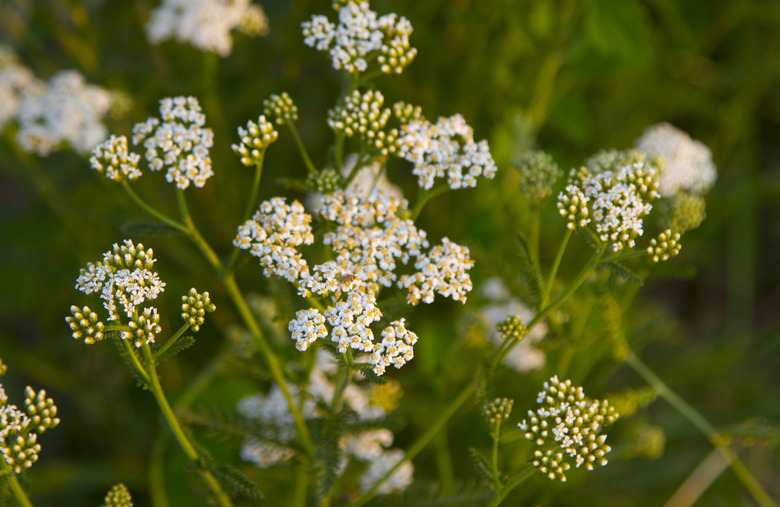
{"x":510,"y":485}
{"x":702,"y":424}
{"x":13,"y":483}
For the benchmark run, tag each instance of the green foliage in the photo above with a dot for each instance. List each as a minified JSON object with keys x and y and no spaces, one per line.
{"x":181,"y":344}
{"x":237,"y":483}
{"x":327,"y":434}
{"x":482,"y":466}
{"x":529,"y":270}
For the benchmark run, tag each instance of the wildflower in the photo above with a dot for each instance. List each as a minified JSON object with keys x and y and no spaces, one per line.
{"x":445,"y":150}
{"x":666,"y":245}
{"x":19,"y":429}
{"x":688,"y":163}
{"x":272,"y":235}
{"x":362,"y":115}
{"x":66,"y":110}
{"x":85,"y":324}
{"x":179,"y":142}
{"x":307,"y":326}
{"x":194,"y":307}
{"x":323,"y":182}
{"x":254,"y":140}
{"x":206,"y":24}
{"x":443,"y":270}
{"x":396,"y":347}
{"x":538,"y":173}
{"x":499,"y":409}
{"x":567,"y":428}
{"x":14,"y":79}
{"x":280,"y":108}
{"x":682,"y":211}
{"x":123,"y":278}
{"x":113,"y":159}
{"x":118,"y":496}
{"x":361,"y":37}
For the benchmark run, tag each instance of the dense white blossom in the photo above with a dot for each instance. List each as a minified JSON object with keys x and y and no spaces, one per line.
{"x":206,"y":24}
{"x":360,"y":36}
{"x":113,"y":159}
{"x":14,"y":79}
{"x":446,"y":150}
{"x":179,"y":142}
{"x":687,"y":163}
{"x":65,"y":110}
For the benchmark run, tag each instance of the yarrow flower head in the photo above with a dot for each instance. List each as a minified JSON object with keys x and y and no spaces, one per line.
{"x":687,"y":163}
{"x":370,"y":241}
{"x":115,"y":161}
{"x":445,"y":150}
{"x":194,"y":307}
{"x":206,"y":24}
{"x":179,"y":142}
{"x":125,"y":281}
{"x":567,"y":429}
{"x":254,"y":140}
{"x":615,"y":201}
{"x":19,"y":429}
{"x":666,"y":245}
{"x":14,"y":79}
{"x":280,"y":108}
{"x":360,"y":37}
{"x":363,"y":115}
{"x":538,"y":173}
{"x":498,"y":410}
{"x":118,"y":496}
{"x":66,"y":110}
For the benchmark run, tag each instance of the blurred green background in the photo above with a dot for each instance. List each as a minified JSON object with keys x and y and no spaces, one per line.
{"x":570,"y":77}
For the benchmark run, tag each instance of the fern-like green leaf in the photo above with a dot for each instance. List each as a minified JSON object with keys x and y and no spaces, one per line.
{"x":482,"y":466}
{"x":587,"y":238}
{"x":368,"y":372}
{"x":326,"y":434}
{"x":226,"y":425}
{"x":238,"y":485}
{"x":620,"y":270}
{"x":181,"y":344}
{"x":529,"y":265}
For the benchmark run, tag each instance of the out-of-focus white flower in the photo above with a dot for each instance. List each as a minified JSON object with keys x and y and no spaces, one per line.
{"x":688,"y":163}
{"x":445,"y":149}
{"x":14,"y":78}
{"x":206,"y":24}
{"x":360,"y":37}
{"x":66,"y":110}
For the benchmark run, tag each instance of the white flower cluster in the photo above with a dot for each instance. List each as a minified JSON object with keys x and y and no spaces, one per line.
{"x":360,"y":114}
{"x":206,"y":24}
{"x":567,"y":427}
{"x":278,"y":428}
{"x":64,"y":110}
{"x":446,"y":150}
{"x":361,"y":36}
{"x":179,"y":142}
{"x":369,"y":241}
{"x":525,"y":356}
{"x":616,"y":201}
{"x":112,"y":158}
{"x":14,"y":79}
{"x":688,"y":163}
{"x":19,"y":429}
{"x":272,"y":235}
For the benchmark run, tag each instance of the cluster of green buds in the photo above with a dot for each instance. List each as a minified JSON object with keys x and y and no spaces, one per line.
{"x":360,"y":114}
{"x":255,"y":138}
{"x":19,"y":430}
{"x":280,"y":108}
{"x":567,"y":428}
{"x":406,"y":112}
{"x":113,"y":159}
{"x":85,"y":325}
{"x":573,"y":207}
{"x":538,"y":172}
{"x":325,"y":181}
{"x":118,"y":496}
{"x":512,"y":327}
{"x":682,"y":211}
{"x":498,"y":410}
{"x":666,"y":245}
{"x":194,"y":307}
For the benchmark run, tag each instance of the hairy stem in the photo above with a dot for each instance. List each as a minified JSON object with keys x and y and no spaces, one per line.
{"x":16,"y":488}
{"x":301,"y":148}
{"x":250,"y":206}
{"x":554,"y":269}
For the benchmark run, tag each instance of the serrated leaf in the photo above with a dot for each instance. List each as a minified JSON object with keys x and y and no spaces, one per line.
{"x":529,"y":265}
{"x":237,"y":483}
{"x":482,"y":467}
{"x":586,"y":238}
{"x":326,"y":435}
{"x":620,"y":270}
{"x":226,"y":425}
{"x":368,"y":373}
{"x":149,"y":229}
{"x":181,"y":344}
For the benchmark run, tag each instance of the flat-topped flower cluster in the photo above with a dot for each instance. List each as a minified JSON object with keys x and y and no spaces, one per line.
{"x":370,"y":243}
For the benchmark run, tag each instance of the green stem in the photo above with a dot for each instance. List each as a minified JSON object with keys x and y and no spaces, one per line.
{"x":250,"y":206}
{"x":740,"y":470}
{"x":339,"y":148}
{"x":629,"y":255}
{"x":424,"y":196}
{"x":345,"y":376}
{"x":512,"y":484}
{"x":554,"y":269}
{"x":178,"y":432}
{"x":178,"y":334}
{"x":534,"y":239}
{"x":496,"y":438}
{"x":136,"y":362}
{"x":16,"y":488}
{"x":301,"y":147}
{"x":424,"y":439}
{"x":159,"y":216}
{"x":563,"y":296}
